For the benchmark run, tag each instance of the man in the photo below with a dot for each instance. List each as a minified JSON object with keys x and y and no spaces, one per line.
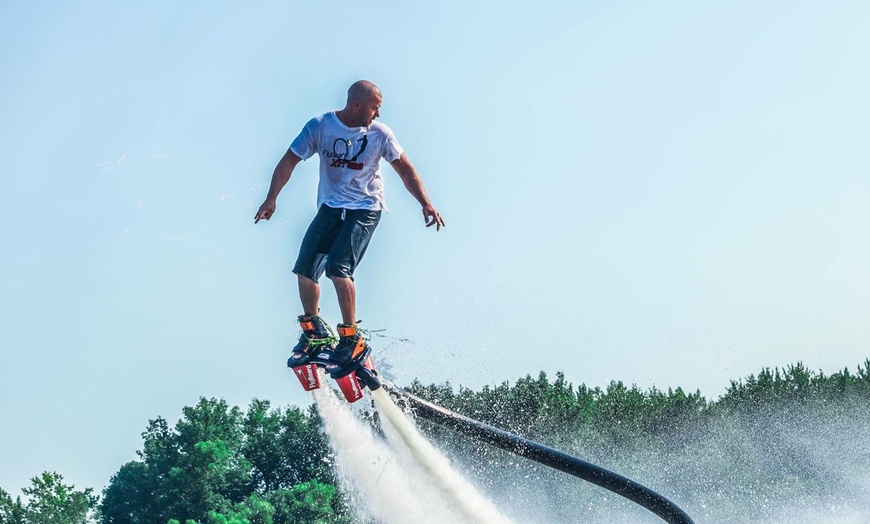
{"x":350,"y":198}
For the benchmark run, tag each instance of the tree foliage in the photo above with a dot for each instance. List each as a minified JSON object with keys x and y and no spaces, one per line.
{"x":219,"y":464}
{"x":11,"y":511}
{"x":619,"y":415}
{"x":48,"y":501}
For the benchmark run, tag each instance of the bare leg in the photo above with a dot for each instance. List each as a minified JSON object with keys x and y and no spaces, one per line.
{"x":309,"y":293}
{"x":345,"y":290}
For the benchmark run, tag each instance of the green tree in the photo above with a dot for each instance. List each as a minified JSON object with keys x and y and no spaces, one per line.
{"x":311,"y":502}
{"x":11,"y":511}
{"x":218,"y":462}
{"x":49,"y":501}
{"x":284,"y":448}
{"x":254,"y":510}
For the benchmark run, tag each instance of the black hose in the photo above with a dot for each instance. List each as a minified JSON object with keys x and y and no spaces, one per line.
{"x":614,"y":482}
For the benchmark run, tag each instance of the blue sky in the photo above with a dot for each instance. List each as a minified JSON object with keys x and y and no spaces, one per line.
{"x":668,"y":194}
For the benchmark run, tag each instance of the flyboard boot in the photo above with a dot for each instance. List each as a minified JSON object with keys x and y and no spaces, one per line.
{"x":313,"y":349}
{"x":350,"y":363}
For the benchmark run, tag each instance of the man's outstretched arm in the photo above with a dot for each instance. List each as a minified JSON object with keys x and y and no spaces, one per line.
{"x":279,"y":178}
{"x":414,"y":185}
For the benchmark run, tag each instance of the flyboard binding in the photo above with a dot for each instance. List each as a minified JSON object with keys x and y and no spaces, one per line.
{"x":351,"y":376}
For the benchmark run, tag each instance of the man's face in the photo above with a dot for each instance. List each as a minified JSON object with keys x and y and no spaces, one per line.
{"x":369,"y":110}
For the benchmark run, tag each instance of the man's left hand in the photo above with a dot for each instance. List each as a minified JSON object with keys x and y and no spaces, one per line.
{"x":432,"y":217}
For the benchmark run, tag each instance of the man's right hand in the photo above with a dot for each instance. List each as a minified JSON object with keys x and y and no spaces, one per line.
{"x":265,"y":211}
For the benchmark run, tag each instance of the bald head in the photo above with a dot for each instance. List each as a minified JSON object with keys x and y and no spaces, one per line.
{"x":362,"y":90}
{"x":363,"y":103}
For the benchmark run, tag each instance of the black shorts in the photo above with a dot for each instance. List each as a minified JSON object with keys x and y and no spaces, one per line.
{"x":335,"y":242}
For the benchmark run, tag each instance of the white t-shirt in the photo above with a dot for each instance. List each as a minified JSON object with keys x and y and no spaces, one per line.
{"x":350,"y":174}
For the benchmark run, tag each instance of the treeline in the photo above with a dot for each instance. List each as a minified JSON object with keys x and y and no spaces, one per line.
{"x":784,"y":440}
{"x":222,"y":465}
{"x":537,"y":408}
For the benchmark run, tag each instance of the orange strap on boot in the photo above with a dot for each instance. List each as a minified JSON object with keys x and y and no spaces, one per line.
{"x":351,"y":331}
{"x":346,"y":331}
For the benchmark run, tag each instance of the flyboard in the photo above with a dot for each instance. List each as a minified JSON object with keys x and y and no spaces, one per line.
{"x":351,"y":382}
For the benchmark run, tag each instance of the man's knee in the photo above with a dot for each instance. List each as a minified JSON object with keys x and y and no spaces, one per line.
{"x":305,"y":280}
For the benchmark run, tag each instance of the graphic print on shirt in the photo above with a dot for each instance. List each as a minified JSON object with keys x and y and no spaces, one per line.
{"x":342,"y":148}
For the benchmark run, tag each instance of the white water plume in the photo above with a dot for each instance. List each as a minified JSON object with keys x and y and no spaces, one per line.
{"x":404,"y":435}
{"x":416,"y":485}
{"x":379,"y":485}
{"x":382,"y":484}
